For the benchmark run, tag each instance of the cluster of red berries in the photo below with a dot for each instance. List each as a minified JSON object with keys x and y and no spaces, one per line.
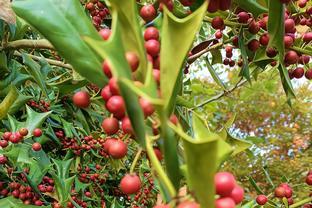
{"x":87,"y":175}
{"x":87,"y":143}
{"x":22,"y":192}
{"x":145,"y":193}
{"x":216,"y":5}
{"x":40,"y":106}
{"x":98,"y":11}
{"x":47,"y":185}
{"x":16,"y":137}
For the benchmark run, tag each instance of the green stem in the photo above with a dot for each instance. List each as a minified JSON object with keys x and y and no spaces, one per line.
{"x":302,"y":202}
{"x":25,"y":43}
{"x":158,"y":169}
{"x":135,"y":160}
{"x":301,"y":50}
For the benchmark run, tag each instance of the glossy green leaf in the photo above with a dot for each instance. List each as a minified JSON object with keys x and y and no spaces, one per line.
{"x":34,"y":70}
{"x":58,"y":23}
{"x":177,"y":37}
{"x":251,"y":6}
{"x":238,"y":145}
{"x":8,"y":101}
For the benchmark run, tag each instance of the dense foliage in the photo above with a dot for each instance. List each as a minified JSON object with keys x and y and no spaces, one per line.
{"x":168,"y":103}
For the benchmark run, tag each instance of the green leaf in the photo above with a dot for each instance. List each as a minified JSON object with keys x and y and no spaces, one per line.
{"x":216,"y":56}
{"x":3,"y":64}
{"x":214,"y":75}
{"x":8,"y":101}
{"x":18,"y":103}
{"x":245,"y":68}
{"x":34,"y":120}
{"x":58,"y":23}
{"x":177,"y":37}
{"x":251,"y":6}
{"x":238,"y":145}
{"x":34,"y":70}
{"x":287,"y":86}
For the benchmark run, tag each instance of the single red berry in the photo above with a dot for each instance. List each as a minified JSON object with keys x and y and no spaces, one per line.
{"x":298,"y":72}
{"x":151,"y":33}
{"x":224,"y":183}
{"x":116,"y":105}
{"x":213,"y":6}
{"x":217,"y":23}
{"x":88,"y":194}
{"x":36,"y":146}
{"x":307,"y":37}
{"x":106,"y":69}
{"x":289,"y":25}
{"x":253,"y":45}
{"x":23,"y":131}
{"x":309,"y":180}
{"x":118,"y":149}
{"x":6,"y":135}
{"x":37,"y":132}
{"x":174,"y":119}
{"x":188,"y":204}
{"x":147,"y":107}
{"x":106,"y":93}
{"x":133,"y":60}
{"x":130,"y":184}
{"x":237,"y":194}
{"x":291,"y":57}
{"x":15,"y":193}
{"x":271,"y":52}
{"x":243,"y":17}
{"x":158,"y":154}
{"x":113,"y":86}
{"x":110,"y":126}
{"x":81,"y":99}
{"x":38,"y":203}
{"x":4,"y":143}
{"x":148,"y":13}
{"x":152,"y":47}
{"x":108,"y":143}
{"x":218,"y":34}
{"x":126,"y":126}
{"x":308,"y":74}
{"x":288,"y":192}
{"x":225,"y":202}
{"x":288,"y":41}
{"x":105,"y":33}
{"x":264,"y":39}
{"x":261,"y":199}
{"x":253,"y":27}
{"x":3,"y":160}
{"x":279,"y":192}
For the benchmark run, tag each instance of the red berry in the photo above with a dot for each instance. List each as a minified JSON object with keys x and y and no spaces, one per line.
{"x":148,"y":12}
{"x":126,"y":126}
{"x":108,"y":143}
{"x":15,"y":193}
{"x":36,"y":146}
{"x":130,"y":184}
{"x":279,"y":192}
{"x":309,"y":180}
{"x":81,"y":99}
{"x":106,"y":69}
{"x":110,"y":126}
{"x":225,"y":202}
{"x":105,"y":33}
{"x":307,"y":37}
{"x":156,"y":75}
{"x":118,"y":149}
{"x":218,"y":34}
{"x":288,"y":192}
{"x":188,"y":204}
{"x":261,"y":199}
{"x":289,"y":25}
{"x":174,"y":119}
{"x":271,"y":52}
{"x":253,"y":27}
{"x":308,"y":74}
{"x":304,"y":59}
{"x":147,"y":107}
{"x":6,"y":135}
{"x":3,"y":160}
{"x":158,"y":154}
{"x":116,"y":105}
{"x":213,"y":6}
{"x":152,"y":47}
{"x":224,"y":183}
{"x":133,"y":60}
{"x":291,"y":57}
{"x":23,"y":131}
{"x":4,"y":143}
{"x":217,"y":23}
{"x":243,"y":17}
{"x":288,"y":41}
{"x":38,"y":203}
{"x":298,"y":72}
{"x":151,"y":33}
{"x":106,"y":93}
{"x":37,"y":132}
{"x":302,"y":3}
{"x":264,"y":39}
{"x":88,"y":194}
{"x":237,"y":194}
{"x":253,"y":45}
{"x":113,"y":86}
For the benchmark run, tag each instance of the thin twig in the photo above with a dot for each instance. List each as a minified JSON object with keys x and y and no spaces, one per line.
{"x":192,"y":58}
{"x":50,"y":61}
{"x":25,"y":43}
